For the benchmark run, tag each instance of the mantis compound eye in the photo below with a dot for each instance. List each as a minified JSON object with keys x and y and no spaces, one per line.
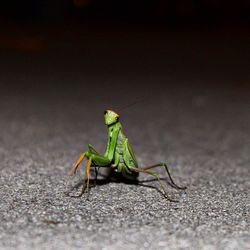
{"x":105,"y":112}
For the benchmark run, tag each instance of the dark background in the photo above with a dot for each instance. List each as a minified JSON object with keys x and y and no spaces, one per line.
{"x":87,"y":38}
{"x":151,"y":11}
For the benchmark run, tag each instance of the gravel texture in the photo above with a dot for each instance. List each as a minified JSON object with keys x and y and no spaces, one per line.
{"x":195,"y":117}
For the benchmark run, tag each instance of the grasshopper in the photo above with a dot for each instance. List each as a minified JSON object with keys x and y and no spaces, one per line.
{"x":119,"y":156}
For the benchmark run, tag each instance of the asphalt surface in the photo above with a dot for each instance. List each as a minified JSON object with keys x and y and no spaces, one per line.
{"x":195,"y":116}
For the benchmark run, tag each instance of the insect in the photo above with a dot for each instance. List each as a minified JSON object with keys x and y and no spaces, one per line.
{"x":118,"y":156}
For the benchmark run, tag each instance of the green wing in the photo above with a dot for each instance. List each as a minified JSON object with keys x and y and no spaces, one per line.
{"x":129,"y":157}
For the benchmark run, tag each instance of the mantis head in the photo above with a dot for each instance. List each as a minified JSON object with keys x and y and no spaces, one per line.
{"x":110,"y":117}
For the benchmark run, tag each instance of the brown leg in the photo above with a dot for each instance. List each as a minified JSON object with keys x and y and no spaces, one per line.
{"x":86,"y":178}
{"x":166,"y":167}
{"x":88,"y":172}
{"x":76,"y":165}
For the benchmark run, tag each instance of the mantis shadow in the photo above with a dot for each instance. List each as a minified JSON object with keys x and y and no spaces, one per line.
{"x":117,"y":178}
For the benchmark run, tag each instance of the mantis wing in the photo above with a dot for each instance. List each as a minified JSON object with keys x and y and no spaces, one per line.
{"x":129,"y":157}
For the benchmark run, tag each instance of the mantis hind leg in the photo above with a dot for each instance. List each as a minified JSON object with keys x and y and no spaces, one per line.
{"x":140,"y":170}
{"x":167,"y":170}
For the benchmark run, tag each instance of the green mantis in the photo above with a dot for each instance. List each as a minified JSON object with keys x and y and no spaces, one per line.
{"x":118,"y":156}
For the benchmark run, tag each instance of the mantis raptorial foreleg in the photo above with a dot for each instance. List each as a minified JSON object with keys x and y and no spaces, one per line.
{"x":86,"y":178}
{"x":87,"y":171}
{"x":93,"y":157}
{"x":76,"y":165}
{"x":167,"y":170}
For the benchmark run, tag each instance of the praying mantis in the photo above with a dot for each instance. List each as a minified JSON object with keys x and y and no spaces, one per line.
{"x":118,"y":156}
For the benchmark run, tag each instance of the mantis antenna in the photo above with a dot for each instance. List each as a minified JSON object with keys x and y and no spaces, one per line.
{"x":132,"y":104}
